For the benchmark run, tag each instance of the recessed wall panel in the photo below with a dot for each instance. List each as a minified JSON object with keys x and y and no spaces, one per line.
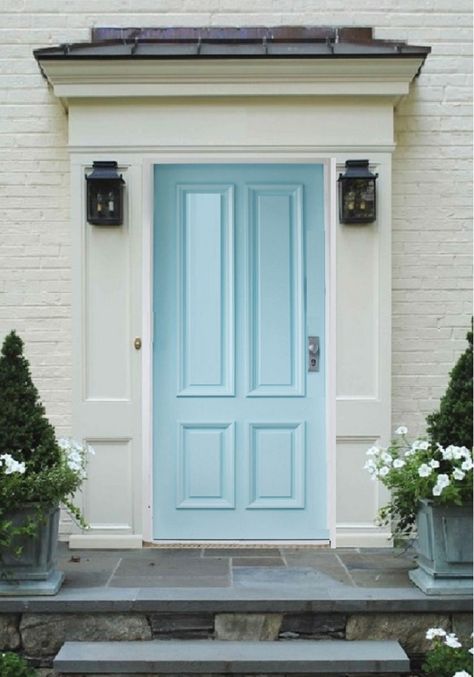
{"x":354,"y":507}
{"x":276,"y":307}
{"x":108,"y":503}
{"x":277,"y":465}
{"x":357,"y":316}
{"x":106,"y":313}
{"x":205,"y":466}
{"x":206,"y":291}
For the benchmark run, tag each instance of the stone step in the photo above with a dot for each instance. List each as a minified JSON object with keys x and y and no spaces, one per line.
{"x":189,"y":657}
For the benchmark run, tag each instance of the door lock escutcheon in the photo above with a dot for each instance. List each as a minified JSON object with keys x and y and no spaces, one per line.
{"x":313,"y":353}
{"x":137,"y":344}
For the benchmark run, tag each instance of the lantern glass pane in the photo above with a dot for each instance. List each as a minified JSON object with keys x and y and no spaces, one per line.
{"x":358,"y":200}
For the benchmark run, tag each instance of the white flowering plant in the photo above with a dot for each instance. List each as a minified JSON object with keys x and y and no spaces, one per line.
{"x":23,"y":484}
{"x":419,"y":470}
{"x":447,"y":656}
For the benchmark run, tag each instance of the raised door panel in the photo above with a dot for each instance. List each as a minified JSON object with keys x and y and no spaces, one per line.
{"x":277,"y":465}
{"x":205,"y":466}
{"x":205,"y":290}
{"x":276,"y":303}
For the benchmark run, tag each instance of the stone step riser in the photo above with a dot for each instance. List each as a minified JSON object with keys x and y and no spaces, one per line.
{"x":41,"y":635}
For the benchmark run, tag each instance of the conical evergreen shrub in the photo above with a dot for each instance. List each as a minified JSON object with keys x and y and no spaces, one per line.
{"x":453,"y":422}
{"x":25,"y":432}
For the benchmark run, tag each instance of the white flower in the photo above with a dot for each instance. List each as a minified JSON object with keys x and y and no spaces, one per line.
{"x":373,"y":451}
{"x":461,"y":673}
{"x":398,"y":463}
{"x":402,"y":430}
{"x":11,"y":465}
{"x":434,"y":463}
{"x":441,"y":483}
{"x":424,"y":470}
{"x":384,"y":471}
{"x":459,"y":474}
{"x":435,"y":632}
{"x":448,"y":453}
{"x":420,"y":444}
{"x":452,"y":641}
{"x":410,"y":452}
{"x":467,"y":465}
{"x":370,"y":466}
{"x":464,"y":451}
{"x":386,"y":458}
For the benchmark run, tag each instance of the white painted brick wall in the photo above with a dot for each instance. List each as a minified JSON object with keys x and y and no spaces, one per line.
{"x":432,"y":177}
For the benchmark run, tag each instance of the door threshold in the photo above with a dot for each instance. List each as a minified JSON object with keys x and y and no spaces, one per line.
{"x":198,"y":544}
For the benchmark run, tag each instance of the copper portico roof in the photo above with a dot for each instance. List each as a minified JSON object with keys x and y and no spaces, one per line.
{"x":281,"y":42}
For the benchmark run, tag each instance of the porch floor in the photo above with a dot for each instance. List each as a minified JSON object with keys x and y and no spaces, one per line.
{"x":237,"y":567}
{"x":283,"y":579}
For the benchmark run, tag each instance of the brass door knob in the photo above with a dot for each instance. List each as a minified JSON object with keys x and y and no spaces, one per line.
{"x":137,"y":344}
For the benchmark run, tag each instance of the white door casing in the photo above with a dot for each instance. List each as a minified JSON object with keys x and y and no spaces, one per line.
{"x":112,"y":280}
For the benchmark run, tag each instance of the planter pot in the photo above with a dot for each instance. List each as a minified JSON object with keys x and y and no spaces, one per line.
{"x":444,"y":547}
{"x":32,"y":572}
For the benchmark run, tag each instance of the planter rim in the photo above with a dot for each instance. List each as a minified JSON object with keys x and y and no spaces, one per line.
{"x":431,"y":501}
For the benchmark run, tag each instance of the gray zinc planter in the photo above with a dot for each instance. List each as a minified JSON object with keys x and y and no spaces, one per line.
{"x":444,"y":547}
{"x":33,"y":572}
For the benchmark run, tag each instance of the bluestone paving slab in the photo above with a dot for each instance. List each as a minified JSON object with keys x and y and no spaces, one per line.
{"x":188,"y":581}
{"x":228,"y":657}
{"x":241,"y":552}
{"x":173,"y":566}
{"x":328,"y":565}
{"x":376,"y":561}
{"x":87,"y":579}
{"x":263,"y":562}
{"x":369,"y":579}
{"x":294,"y":577}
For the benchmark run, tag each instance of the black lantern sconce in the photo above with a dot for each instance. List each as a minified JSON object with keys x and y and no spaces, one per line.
{"x":357,"y":194}
{"x":105,"y":194}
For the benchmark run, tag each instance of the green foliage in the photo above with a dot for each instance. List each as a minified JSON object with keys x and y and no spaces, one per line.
{"x":12,"y":665}
{"x":34,"y":468}
{"x":445,"y":661}
{"x":25,"y":432}
{"x":419,"y":470}
{"x":453,"y":422}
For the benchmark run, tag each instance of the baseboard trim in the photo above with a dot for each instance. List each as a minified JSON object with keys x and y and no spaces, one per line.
{"x":360,"y":538}
{"x":105,"y":541}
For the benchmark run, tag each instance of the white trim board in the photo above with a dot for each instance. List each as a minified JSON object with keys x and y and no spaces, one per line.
{"x":380,"y":77}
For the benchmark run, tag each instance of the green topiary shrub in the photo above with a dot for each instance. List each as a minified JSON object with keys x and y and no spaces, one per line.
{"x":12,"y":665}
{"x":34,"y":468}
{"x":453,"y":422}
{"x":25,"y":432}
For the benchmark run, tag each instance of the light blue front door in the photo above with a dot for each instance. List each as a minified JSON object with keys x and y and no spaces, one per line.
{"x":239,"y":421}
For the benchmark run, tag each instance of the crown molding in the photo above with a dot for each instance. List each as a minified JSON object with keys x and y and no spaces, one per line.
{"x":102,"y":78}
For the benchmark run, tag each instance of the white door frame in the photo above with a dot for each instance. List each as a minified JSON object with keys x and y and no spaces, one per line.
{"x":251,"y":155}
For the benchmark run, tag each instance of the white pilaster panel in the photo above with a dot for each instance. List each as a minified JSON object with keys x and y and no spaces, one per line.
{"x":106,"y":393}
{"x":107,"y":312}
